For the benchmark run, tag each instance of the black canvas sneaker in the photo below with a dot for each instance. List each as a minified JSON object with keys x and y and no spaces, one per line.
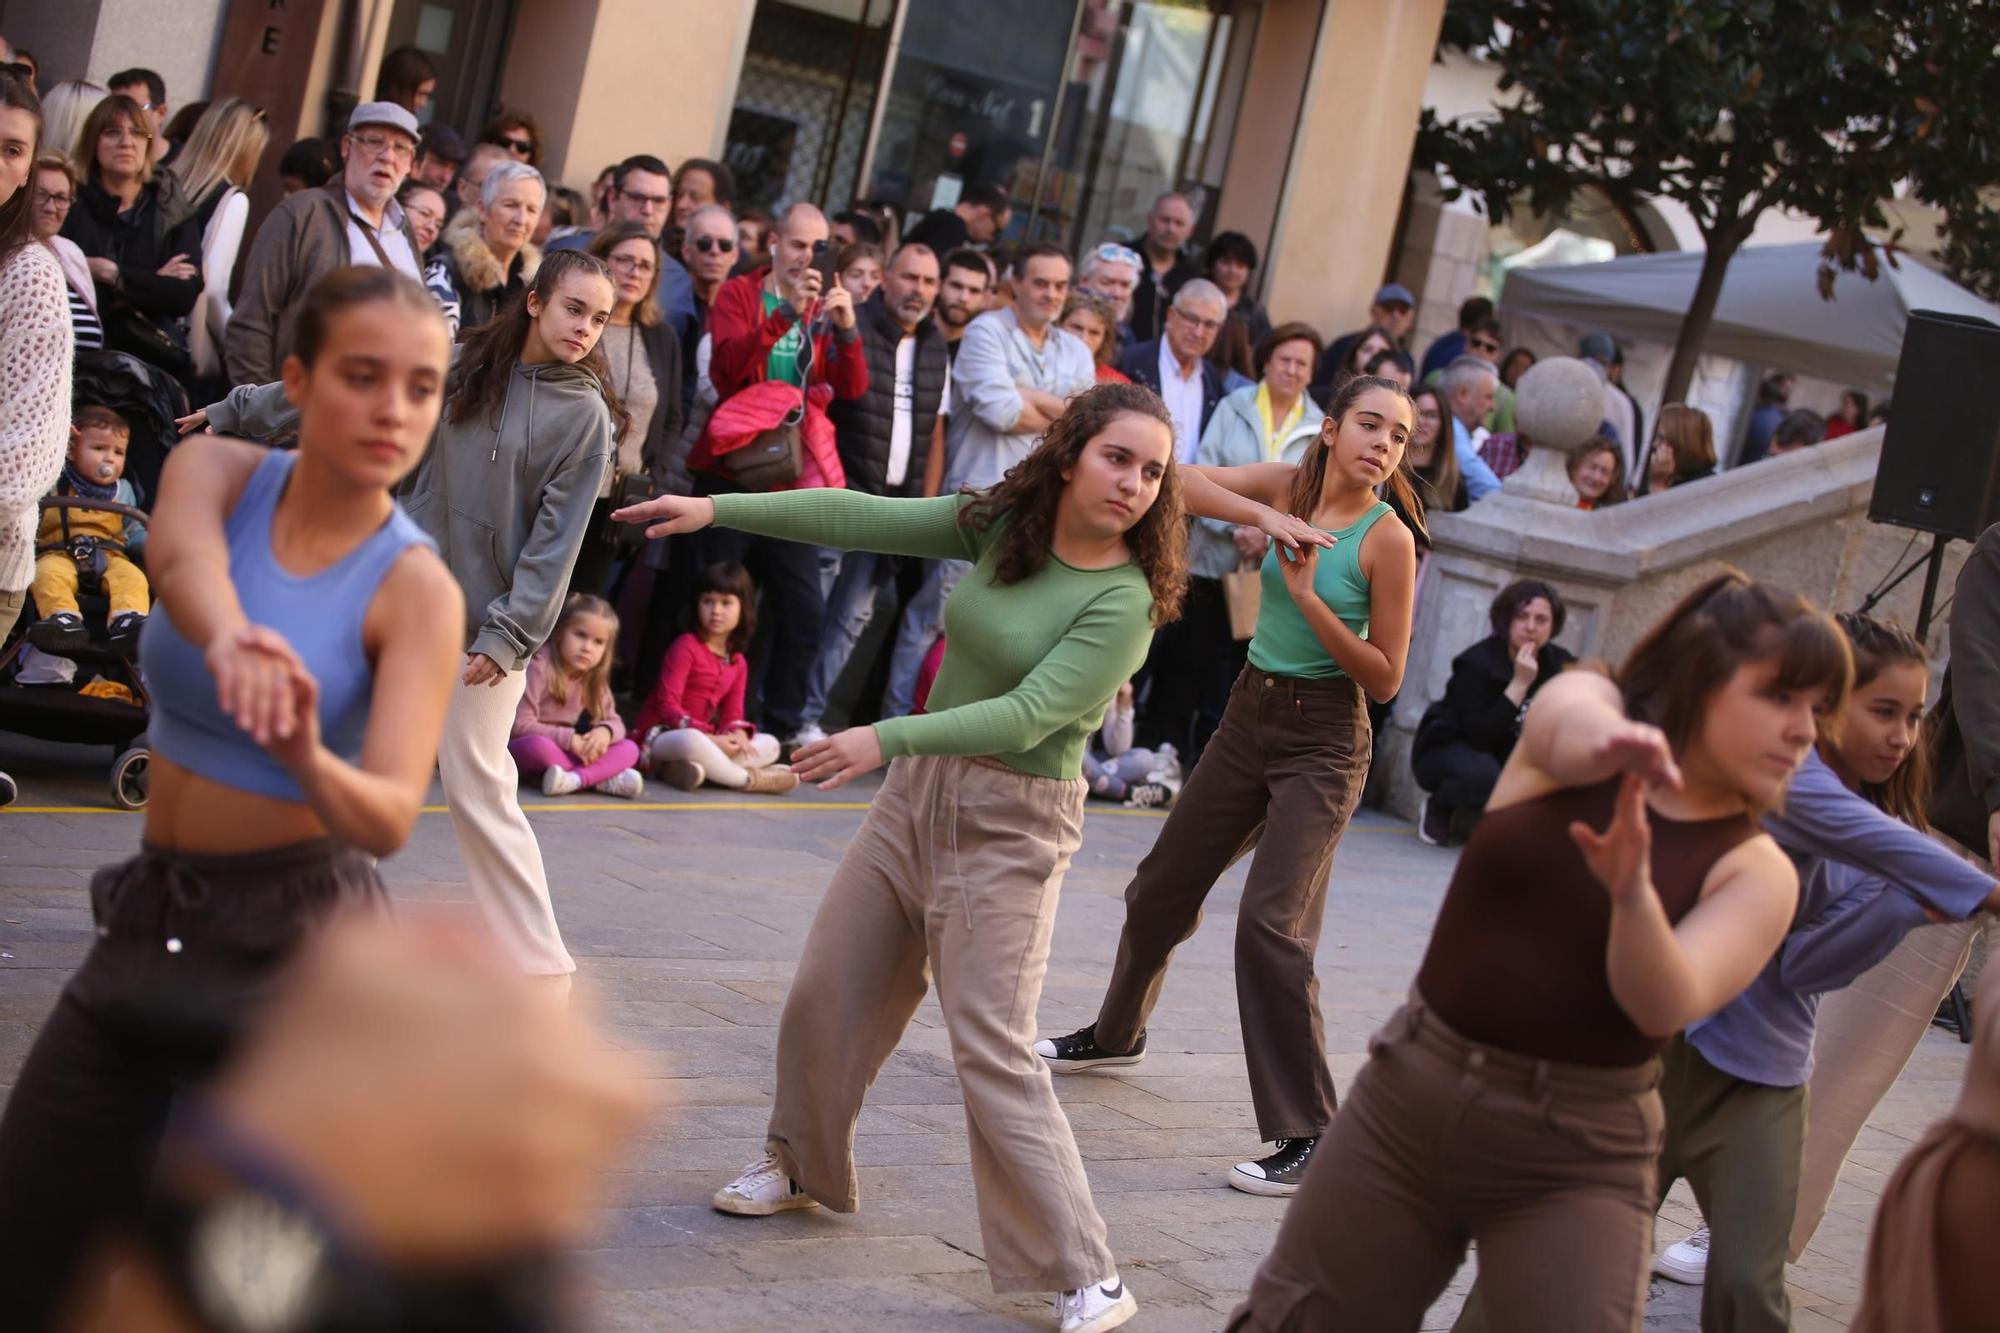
{"x":1079,"y":1051}
{"x":1277,"y":1175}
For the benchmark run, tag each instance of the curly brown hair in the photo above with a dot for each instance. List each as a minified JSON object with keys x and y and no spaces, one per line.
{"x":1027,"y":496}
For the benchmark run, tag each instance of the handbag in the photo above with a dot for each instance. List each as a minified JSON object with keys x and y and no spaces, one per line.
{"x":130,"y":329}
{"x":776,"y":456}
{"x":627,"y":489}
{"x":1242,"y":592}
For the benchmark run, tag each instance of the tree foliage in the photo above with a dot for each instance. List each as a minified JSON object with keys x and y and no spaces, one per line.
{"x":1827,"y":108}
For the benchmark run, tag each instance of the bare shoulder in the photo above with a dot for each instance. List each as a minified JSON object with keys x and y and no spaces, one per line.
{"x":1389,"y":536}
{"x":214,"y":463}
{"x":418,"y":585}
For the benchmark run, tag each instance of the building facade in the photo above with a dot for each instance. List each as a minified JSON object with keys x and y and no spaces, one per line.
{"x":1288,"y":120}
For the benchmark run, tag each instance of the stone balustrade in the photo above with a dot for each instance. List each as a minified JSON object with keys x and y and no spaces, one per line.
{"x":1800,"y":521}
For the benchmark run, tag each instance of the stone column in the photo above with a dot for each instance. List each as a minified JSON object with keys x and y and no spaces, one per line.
{"x":610,"y":78}
{"x":1350,"y":157}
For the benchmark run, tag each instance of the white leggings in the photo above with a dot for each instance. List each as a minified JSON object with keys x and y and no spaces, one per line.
{"x":699,"y":746}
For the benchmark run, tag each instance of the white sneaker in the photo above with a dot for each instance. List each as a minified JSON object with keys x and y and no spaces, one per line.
{"x":806,"y":735}
{"x":1092,"y":1309}
{"x":558,"y":781}
{"x":627,"y":784}
{"x":1685,"y":1260}
{"x":763,"y":1189}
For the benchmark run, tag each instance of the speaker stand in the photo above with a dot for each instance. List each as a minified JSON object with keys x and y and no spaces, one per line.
{"x":1933,"y":571}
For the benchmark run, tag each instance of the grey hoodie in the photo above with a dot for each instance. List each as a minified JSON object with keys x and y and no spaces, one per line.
{"x":506,"y":496}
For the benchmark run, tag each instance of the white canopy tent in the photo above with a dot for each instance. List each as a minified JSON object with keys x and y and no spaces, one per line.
{"x":1770,"y":313}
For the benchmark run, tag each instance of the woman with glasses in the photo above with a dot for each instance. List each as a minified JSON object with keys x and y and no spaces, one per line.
{"x":55,"y":192}
{"x":144,"y":263}
{"x":643,"y":359}
{"x":1228,"y":262}
{"x":517,"y":132}
{"x":488,"y":253}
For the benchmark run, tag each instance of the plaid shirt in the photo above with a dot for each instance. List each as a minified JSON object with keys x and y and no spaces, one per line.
{"x":1504,"y":454}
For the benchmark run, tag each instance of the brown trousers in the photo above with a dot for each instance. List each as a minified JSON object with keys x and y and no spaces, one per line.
{"x":1282,"y":775}
{"x":954,"y":875}
{"x":1443,"y":1141}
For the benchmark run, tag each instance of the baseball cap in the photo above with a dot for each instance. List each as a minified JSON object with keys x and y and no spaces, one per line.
{"x":388,"y":114}
{"x":1599,"y":347}
{"x":1394,"y":293}
{"x":443,"y":143}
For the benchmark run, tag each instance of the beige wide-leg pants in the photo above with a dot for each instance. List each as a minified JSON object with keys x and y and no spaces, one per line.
{"x":1867,"y":1033}
{"x":954,"y":876}
{"x":502,"y":858}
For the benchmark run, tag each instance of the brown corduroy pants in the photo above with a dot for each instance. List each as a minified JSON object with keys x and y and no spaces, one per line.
{"x":954,"y":876}
{"x":1281,"y":775}
{"x":1443,"y":1141}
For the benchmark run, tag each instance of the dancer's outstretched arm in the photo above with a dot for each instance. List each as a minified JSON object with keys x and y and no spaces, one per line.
{"x":848,"y":520}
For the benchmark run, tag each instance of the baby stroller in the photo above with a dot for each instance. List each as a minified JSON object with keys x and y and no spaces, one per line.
{"x":93,"y":715}
{"x":45,"y":704}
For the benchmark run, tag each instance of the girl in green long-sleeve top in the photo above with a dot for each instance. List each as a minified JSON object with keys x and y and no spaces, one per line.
{"x":955,"y":873}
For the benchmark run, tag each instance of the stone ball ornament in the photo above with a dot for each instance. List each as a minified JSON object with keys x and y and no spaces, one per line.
{"x":1559,"y":403}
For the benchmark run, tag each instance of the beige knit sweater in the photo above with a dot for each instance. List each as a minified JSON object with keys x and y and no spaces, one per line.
{"x":36,"y":346}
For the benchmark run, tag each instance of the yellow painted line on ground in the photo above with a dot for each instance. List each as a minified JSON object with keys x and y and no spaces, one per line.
{"x":594,"y":807}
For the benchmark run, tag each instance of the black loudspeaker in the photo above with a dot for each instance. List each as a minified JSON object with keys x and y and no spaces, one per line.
{"x":1940,"y":468}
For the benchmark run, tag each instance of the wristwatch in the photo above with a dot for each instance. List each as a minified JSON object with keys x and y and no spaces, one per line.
{"x":245,"y":1262}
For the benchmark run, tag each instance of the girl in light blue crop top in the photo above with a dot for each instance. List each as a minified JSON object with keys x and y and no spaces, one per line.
{"x":299,"y":660}
{"x":1282,"y":773}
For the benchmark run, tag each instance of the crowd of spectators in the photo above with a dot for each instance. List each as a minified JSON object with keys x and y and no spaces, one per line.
{"x":925,"y":351}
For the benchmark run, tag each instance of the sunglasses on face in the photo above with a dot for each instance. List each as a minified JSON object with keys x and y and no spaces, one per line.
{"x":711,"y":244}
{"x":1484,"y":345}
{"x":521,"y":146}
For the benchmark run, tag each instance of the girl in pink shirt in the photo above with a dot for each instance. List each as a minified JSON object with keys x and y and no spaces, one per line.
{"x":566,"y":730}
{"x":693,"y":725}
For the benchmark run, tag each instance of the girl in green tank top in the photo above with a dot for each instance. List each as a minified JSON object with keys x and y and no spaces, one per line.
{"x":1282,"y":774}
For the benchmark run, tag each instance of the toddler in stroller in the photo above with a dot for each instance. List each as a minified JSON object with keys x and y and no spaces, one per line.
{"x":74,"y":543}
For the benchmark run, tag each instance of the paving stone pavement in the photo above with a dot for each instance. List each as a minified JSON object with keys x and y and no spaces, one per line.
{"x":687,"y":915}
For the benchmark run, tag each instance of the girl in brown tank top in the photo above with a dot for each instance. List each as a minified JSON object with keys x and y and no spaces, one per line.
{"x":1616,"y":890}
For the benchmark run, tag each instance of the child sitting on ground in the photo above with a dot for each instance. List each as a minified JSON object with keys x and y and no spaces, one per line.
{"x":1143,"y":779}
{"x":693,"y":724}
{"x":98,"y":440}
{"x":566,"y":729}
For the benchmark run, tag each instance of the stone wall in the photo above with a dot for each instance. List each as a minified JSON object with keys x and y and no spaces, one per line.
{"x":1800,"y":521}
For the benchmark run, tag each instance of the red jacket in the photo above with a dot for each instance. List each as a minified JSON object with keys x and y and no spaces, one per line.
{"x":697,"y":689}
{"x":742,"y":337}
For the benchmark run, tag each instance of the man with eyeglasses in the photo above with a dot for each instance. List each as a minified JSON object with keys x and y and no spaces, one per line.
{"x":642,"y":191}
{"x":1176,"y":365}
{"x":1448,"y":347}
{"x":353,"y":219}
{"x":1481,"y":341}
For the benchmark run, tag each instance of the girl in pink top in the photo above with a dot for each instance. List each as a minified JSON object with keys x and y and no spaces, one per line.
{"x":693,"y":725}
{"x":566,"y":729}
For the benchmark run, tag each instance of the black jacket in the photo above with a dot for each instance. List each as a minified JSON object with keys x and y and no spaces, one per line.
{"x":1965,"y":746}
{"x":862,"y":425}
{"x":1475,"y":710}
{"x":1154,"y":294}
{"x":138,"y":241}
{"x":1140,"y":363}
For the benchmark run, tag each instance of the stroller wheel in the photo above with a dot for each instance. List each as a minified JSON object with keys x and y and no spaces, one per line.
{"x":128,"y":778}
